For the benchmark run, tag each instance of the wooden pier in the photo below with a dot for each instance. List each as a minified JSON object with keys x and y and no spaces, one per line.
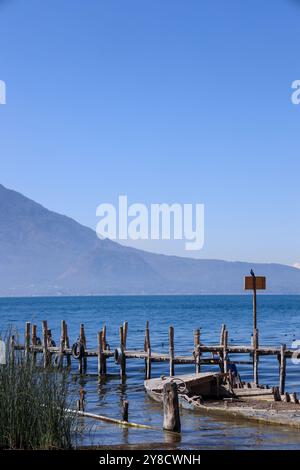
{"x":220,"y":354}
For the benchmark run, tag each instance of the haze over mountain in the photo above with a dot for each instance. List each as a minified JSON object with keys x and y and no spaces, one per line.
{"x":45,"y":253}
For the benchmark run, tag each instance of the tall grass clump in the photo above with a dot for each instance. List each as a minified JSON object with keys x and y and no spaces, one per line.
{"x":32,"y":407}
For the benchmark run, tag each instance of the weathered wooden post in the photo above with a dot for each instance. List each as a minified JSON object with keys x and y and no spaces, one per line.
{"x":225,"y":357}
{"x":100,"y":353}
{"x":123,"y":357}
{"x":125,"y":331}
{"x":82,"y":359}
{"x":34,"y":342}
{"x":147,"y":348}
{"x":255,"y":357}
{"x":66,"y":343}
{"x":197,"y":350}
{"x":282,"y":369}
{"x":45,"y":343}
{"x":27,"y":340}
{"x":171,"y":408}
{"x":125,"y":406}
{"x":171,"y":350}
{"x":104,"y":347}
{"x":221,"y":355}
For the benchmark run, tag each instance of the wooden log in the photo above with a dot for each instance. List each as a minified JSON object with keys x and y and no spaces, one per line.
{"x":171,"y":408}
{"x":45,"y":343}
{"x":104,"y":348}
{"x":255,"y":356}
{"x":225,"y":352}
{"x":123,"y":356}
{"x":125,"y":406}
{"x":171,"y":350}
{"x":27,"y":340}
{"x":282,"y":369}
{"x":100,"y":353}
{"x":197,"y":350}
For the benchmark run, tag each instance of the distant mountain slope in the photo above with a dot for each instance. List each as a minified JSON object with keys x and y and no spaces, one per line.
{"x":45,"y":253}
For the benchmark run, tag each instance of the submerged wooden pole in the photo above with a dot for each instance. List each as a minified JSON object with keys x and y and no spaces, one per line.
{"x":171,"y":350}
{"x":125,"y":406}
{"x":171,"y":408}
{"x":197,"y":350}
{"x":282,"y":369}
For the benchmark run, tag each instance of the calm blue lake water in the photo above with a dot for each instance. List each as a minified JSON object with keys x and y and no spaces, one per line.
{"x":278,"y":322}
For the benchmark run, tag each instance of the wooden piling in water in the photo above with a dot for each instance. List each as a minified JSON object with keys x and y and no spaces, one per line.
{"x":100,"y":353}
{"x":171,"y":350}
{"x":197,"y":350}
{"x":83,"y":340}
{"x":125,"y":332}
{"x":125,"y":406}
{"x":221,"y":352}
{"x":123,"y":357}
{"x":104,"y":347}
{"x":255,"y":357}
{"x":282,"y":369}
{"x":171,"y":408}
{"x":61,"y":346}
{"x":147,"y":348}
{"x":67,"y":344}
{"x":225,"y":352}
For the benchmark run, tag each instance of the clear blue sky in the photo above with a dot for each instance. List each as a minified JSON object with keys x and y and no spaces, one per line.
{"x":165,"y":101}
